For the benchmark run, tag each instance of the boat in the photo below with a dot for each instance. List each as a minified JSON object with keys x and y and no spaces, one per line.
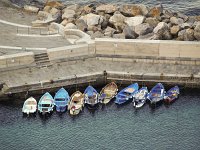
{"x":77,"y":103}
{"x":172,"y":94}
{"x":61,"y":100}
{"x":46,"y":104}
{"x":126,"y":94}
{"x":156,"y":94}
{"x":30,"y":106}
{"x":108,"y":92}
{"x":140,"y":97}
{"x":91,"y":97}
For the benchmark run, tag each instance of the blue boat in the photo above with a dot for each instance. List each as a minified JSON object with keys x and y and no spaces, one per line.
{"x":140,"y":97}
{"x":172,"y":94}
{"x":126,"y":94}
{"x":156,"y":94}
{"x":46,"y":104}
{"x":61,"y":100}
{"x":91,"y":97}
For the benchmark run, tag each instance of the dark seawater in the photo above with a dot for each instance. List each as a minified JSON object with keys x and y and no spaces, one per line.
{"x":174,"y":127}
{"x":189,"y":7}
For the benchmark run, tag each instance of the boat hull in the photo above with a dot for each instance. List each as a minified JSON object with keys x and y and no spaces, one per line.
{"x":61,"y":108}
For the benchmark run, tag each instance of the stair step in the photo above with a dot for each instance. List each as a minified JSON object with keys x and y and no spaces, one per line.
{"x":39,"y":59}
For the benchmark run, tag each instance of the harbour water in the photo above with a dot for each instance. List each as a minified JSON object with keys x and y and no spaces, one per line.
{"x":110,"y":127}
{"x":189,"y":7}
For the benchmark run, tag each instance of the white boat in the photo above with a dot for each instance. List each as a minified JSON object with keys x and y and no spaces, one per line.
{"x":30,"y":106}
{"x":140,"y":97}
{"x":46,"y":104}
{"x":76,"y":104}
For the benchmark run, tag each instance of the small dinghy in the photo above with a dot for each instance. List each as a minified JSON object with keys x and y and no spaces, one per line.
{"x":156,"y":94}
{"x":76,"y":104}
{"x":172,"y":94}
{"x":46,"y":104}
{"x":108,"y":92}
{"x":126,"y":94}
{"x":61,"y":100}
{"x":91,"y":97}
{"x":140,"y":97}
{"x":30,"y":106}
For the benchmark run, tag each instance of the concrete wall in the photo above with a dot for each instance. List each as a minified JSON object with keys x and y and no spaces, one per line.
{"x":18,"y":59}
{"x":156,"y":48}
{"x":70,"y":51}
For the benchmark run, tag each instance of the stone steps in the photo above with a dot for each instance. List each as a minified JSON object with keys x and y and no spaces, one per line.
{"x":42,"y":60}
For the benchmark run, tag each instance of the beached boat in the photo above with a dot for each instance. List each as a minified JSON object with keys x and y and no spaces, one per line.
{"x":156,"y":94}
{"x":172,"y":94}
{"x":108,"y":92}
{"x":91,"y":97}
{"x":61,"y":100}
{"x":30,"y":106}
{"x":140,"y":97}
{"x":46,"y":104}
{"x":77,"y":103}
{"x":126,"y":94}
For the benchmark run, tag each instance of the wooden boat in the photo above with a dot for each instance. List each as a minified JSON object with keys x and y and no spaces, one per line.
{"x":30,"y":106}
{"x":156,"y":94}
{"x":172,"y":94}
{"x":61,"y":100}
{"x":108,"y":92}
{"x":46,"y":104}
{"x":140,"y":97}
{"x":91,"y":97}
{"x":77,"y":103}
{"x":126,"y":94}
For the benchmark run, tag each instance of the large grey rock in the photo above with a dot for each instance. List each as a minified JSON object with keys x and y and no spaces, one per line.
{"x":117,"y":20}
{"x":109,"y":31}
{"x":134,"y":21}
{"x":129,"y":33}
{"x":92,"y":19}
{"x":186,"y":35}
{"x":148,"y":36}
{"x":133,"y":10}
{"x":81,"y":25}
{"x":143,"y":29}
{"x":119,"y":36}
{"x":197,"y":31}
{"x":107,"y":8}
{"x":183,"y":16}
{"x":174,"y":30}
{"x":74,"y":7}
{"x":156,"y":11}
{"x":56,"y":13}
{"x":186,"y":25}
{"x":176,"y":21}
{"x":70,"y":26}
{"x":153,"y":22}
{"x":97,"y":34}
{"x":162,"y":32}
{"x":167,"y":13}
{"x":68,"y":13}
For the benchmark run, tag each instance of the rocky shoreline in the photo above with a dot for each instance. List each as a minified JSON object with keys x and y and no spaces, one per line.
{"x":128,"y":21}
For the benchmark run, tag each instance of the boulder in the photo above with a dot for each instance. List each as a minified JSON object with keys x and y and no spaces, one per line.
{"x":54,"y":4}
{"x":176,"y":21}
{"x":32,"y":9}
{"x":129,"y":33}
{"x":134,"y":21}
{"x":107,"y":8}
{"x":119,"y":36}
{"x":148,"y":36}
{"x":156,"y":11}
{"x":197,"y":31}
{"x":174,"y":30}
{"x":56,"y":13}
{"x":109,"y":31}
{"x":152,"y":21}
{"x":117,"y":20}
{"x":94,"y":28}
{"x":70,"y":26}
{"x":92,"y":19}
{"x":97,"y":34}
{"x":143,"y":29}
{"x":167,"y":14}
{"x":74,"y":7}
{"x":81,"y":25}
{"x":186,"y":35}
{"x":87,"y":10}
{"x":182,"y":16}
{"x":133,"y":10}
{"x":186,"y":25}
{"x":47,"y":9}
{"x":68,"y":13}
{"x":161,"y":31}
{"x":64,"y":22}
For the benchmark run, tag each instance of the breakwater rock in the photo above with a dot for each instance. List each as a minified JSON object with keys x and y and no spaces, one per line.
{"x":128,"y":21}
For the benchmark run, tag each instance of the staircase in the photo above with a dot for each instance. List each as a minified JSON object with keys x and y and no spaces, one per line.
{"x":42,"y":60}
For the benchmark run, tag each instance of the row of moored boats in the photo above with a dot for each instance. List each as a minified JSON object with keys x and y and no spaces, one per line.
{"x":62,"y":101}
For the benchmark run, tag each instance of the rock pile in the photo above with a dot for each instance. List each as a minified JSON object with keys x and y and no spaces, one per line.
{"x":130,"y":21}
